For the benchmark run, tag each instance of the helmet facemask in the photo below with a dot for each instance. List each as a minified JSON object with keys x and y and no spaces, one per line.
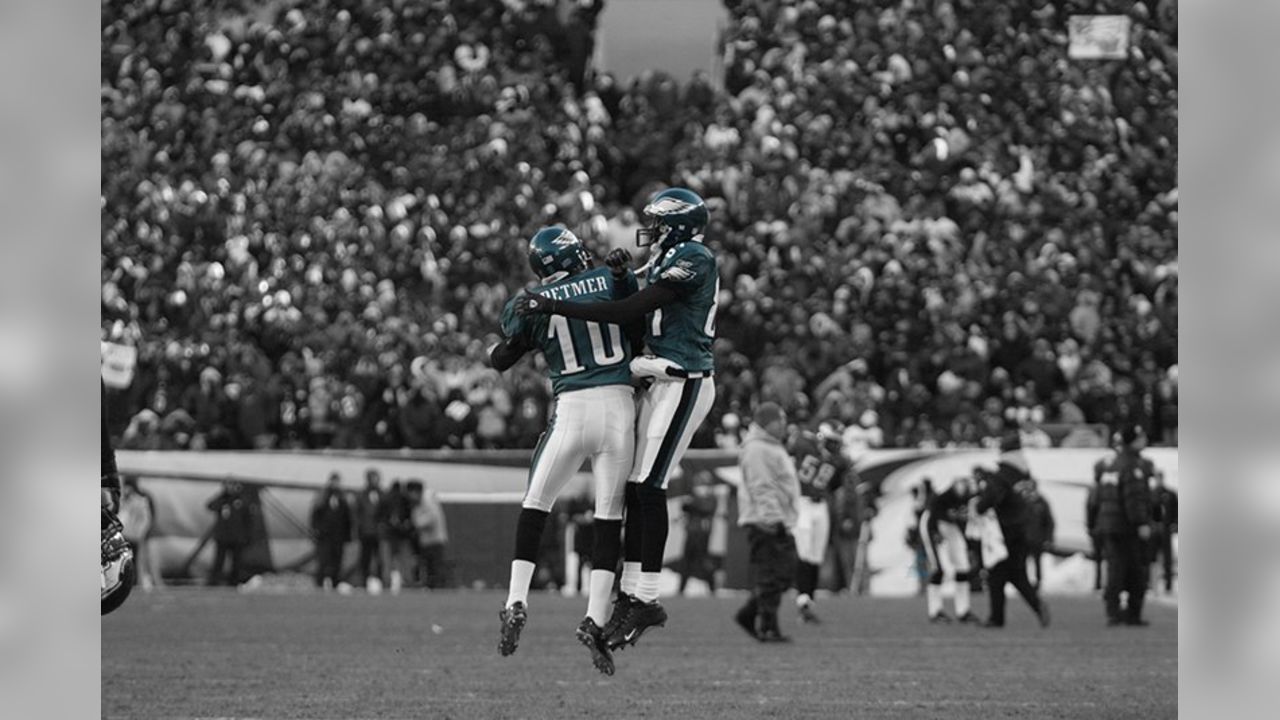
{"x":652,"y":233}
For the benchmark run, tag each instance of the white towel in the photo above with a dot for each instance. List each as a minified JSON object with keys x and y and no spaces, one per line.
{"x":988,"y":531}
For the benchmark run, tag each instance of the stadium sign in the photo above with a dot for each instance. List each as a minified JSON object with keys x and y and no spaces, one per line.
{"x":1098,"y":37}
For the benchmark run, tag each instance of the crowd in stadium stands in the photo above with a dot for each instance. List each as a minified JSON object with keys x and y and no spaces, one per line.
{"x":930,"y":222}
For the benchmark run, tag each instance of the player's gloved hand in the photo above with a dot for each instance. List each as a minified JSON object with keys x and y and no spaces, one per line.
{"x":1144,"y":532}
{"x":530,"y":304}
{"x":617,"y":260}
{"x":780,"y":530}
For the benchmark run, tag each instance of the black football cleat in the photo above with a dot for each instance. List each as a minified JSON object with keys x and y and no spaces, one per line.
{"x":808,"y":616}
{"x":592,"y":637}
{"x":621,"y":606}
{"x":513,"y":619}
{"x":968,"y":619}
{"x":1043,"y":614}
{"x":1136,"y":622}
{"x":774,"y":636}
{"x":940,"y":618}
{"x":991,"y":624}
{"x":639,"y":618}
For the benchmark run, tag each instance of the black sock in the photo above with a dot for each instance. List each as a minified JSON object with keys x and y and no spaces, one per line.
{"x":634,"y":538}
{"x":807,"y":579}
{"x":653,"y":517}
{"x":529,"y":533}
{"x":604,"y":556}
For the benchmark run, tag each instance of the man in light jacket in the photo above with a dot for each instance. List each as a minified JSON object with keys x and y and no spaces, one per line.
{"x":767,"y":509}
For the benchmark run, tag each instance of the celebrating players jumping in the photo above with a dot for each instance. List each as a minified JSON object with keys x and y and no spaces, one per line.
{"x":678,"y":306}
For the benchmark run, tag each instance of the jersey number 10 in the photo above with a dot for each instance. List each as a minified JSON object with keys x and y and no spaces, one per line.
{"x":614,"y":354}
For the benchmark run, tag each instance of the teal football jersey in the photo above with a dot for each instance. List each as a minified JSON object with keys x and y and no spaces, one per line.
{"x":683,"y":330}
{"x":580,"y":353}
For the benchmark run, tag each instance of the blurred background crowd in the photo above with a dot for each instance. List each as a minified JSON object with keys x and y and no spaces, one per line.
{"x":930,"y":222}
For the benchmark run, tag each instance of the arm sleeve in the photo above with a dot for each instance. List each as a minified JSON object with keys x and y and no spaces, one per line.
{"x":515,"y":342}
{"x":625,"y":286}
{"x":622,"y":312}
{"x":506,"y":353}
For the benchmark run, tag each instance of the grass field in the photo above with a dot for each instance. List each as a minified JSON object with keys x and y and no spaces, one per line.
{"x":207,"y":653}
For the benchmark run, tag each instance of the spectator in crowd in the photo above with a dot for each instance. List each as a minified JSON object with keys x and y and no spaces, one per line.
{"x":232,"y":532}
{"x":433,"y":534}
{"x":1164,"y":525}
{"x":767,"y":504}
{"x":138,"y":515}
{"x":1121,"y":516}
{"x":372,"y":523}
{"x":331,"y":527}
{"x":275,"y":227}
{"x":1040,"y":528}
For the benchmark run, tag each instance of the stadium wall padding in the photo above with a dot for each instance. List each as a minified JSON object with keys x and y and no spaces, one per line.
{"x":481,"y":493}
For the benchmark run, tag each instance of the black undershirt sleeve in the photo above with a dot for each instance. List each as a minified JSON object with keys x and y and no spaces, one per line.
{"x":506,"y":353}
{"x":622,"y":312}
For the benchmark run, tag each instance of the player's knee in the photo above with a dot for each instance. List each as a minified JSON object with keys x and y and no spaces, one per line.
{"x":935,"y":577}
{"x":537,"y":503}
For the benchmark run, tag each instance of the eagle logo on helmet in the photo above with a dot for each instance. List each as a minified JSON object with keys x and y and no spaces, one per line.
{"x":667,"y":206}
{"x":565,"y":239}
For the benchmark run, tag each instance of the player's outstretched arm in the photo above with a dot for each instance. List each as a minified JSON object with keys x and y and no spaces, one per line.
{"x":506,"y":353}
{"x":621,"y":312}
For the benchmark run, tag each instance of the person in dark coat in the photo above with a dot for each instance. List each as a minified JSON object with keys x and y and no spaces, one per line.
{"x":699,"y":508}
{"x":371,"y":524}
{"x":1164,"y":525}
{"x":1000,"y":494}
{"x":231,"y":534}
{"x":331,"y":524}
{"x":1121,"y":517}
{"x":1040,"y":528}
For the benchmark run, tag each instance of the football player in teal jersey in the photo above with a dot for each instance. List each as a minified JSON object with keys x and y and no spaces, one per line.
{"x":594,"y":416}
{"x":678,"y":306}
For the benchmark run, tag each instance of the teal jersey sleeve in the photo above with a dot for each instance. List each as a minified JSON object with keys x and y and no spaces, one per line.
{"x":513,"y":325}
{"x":686,"y":268}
